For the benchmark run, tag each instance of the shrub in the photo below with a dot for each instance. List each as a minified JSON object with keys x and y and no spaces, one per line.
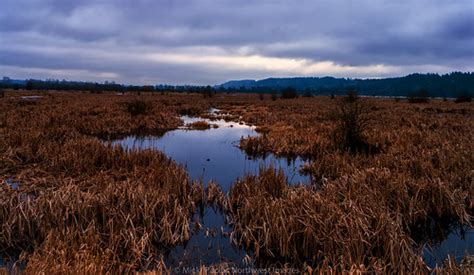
{"x":207,"y":92}
{"x":307,"y":94}
{"x":463,"y":97}
{"x":2,"y":94}
{"x":29,"y":85}
{"x":138,"y":107}
{"x":420,"y":96}
{"x":351,"y":96}
{"x":274,"y":96}
{"x":289,"y":93}
{"x":352,"y":116}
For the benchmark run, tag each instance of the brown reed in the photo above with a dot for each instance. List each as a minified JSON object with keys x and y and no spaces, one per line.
{"x":85,"y":205}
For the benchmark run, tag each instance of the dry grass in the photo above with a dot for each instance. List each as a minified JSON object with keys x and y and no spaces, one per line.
{"x":368,"y":216}
{"x":362,"y":210}
{"x":121,"y":209}
{"x":306,"y":127}
{"x":199,"y":125}
{"x":85,"y":205}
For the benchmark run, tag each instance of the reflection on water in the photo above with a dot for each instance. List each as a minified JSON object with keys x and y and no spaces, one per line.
{"x":213,"y":154}
{"x":12,"y":184}
{"x":458,"y":242}
{"x":210,"y":245}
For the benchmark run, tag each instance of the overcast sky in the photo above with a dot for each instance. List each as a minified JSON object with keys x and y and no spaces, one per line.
{"x":209,"y":42}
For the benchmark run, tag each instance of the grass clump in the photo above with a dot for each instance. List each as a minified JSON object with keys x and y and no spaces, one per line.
{"x":361,"y":221}
{"x":138,"y":107}
{"x":199,"y":125}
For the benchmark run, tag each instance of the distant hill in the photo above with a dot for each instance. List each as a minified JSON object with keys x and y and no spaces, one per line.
{"x":299,"y":83}
{"x":448,"y":85}
{"x":240,"y":83}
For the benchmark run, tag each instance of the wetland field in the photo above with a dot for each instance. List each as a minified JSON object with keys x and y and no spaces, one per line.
{"x":188,"y":183}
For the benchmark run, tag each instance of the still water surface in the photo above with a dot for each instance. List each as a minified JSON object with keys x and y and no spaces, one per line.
{"x":213,"y":154}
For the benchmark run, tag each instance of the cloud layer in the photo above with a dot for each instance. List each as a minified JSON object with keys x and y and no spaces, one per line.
{"x":208,"y":42}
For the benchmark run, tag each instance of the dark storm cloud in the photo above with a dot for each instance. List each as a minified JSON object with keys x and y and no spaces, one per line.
{"x":211,"y":41}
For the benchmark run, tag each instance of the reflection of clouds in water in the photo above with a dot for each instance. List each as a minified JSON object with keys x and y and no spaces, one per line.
{"x":219,"y":122}
{"x":212,"y":154}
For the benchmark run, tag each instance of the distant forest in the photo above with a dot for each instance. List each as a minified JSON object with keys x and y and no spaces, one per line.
{"x":432,"y":85}
{"x":94,"y":87}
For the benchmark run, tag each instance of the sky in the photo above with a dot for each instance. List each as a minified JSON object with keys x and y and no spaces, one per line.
{"x":211,"y":41}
